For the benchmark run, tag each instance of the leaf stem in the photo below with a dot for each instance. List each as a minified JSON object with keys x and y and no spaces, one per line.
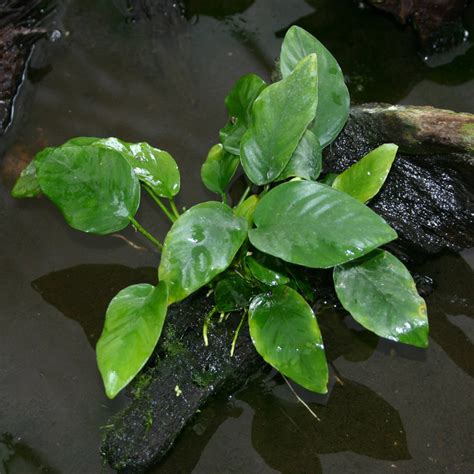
{"x":300,"y":399}
{"x":205,"y":326}
{"x":158,"y":201}
{"x":244,"y":196}
{"x":236,"y":334}
{"x":174,"y":208}
{"x":143,"y":231}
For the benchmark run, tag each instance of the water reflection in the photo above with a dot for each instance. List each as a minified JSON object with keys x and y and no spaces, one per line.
{"x":383,"y":65}
{"x":453,"y":296}
{"x":16,"y":456}
{"x":82,"y":293}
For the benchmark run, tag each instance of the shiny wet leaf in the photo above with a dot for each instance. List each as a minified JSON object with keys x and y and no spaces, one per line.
{"x":133,"y":325}
{"x":201,"y":244}
{"x":381,"y":295}
{"x":306,"y":162}
{"x":285,"y":333}
{"x":264,"y":274}
{"x":333,"y":96}
{"x":280,"y":115}
{"x":95,"y":189}
{"x":364,"y":179}
{"x":218,"y":169}
{"x":313,"y":225}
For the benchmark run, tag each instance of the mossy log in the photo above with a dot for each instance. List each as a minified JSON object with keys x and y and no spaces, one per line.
{"x":428,"y":199}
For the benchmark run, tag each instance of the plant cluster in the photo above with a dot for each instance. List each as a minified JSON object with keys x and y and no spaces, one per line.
{"x":249,"y":254}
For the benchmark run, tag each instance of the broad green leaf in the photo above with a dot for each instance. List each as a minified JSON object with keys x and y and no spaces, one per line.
{"x":364,"y":179}
{"x":285,"y":333}
{"x":95,"y":188}
{"x":133,"y":325}
{"x":333,"y":96}
{"x":240,"y":99}
{"x":234,"y":293}
{"x":247,"y":208}
{"x":313,"y":225}
{"x":201,"y":244}
{"x":239,"y":103}
{"x":381,"y":295}
{"x":156,"y":168}
{"x":27,"y":185}
{"x":218,"y":169}
{"x":307,"y":160}
{"x":280,"y":115}
{"x":231,"y":136}
{"x":264,"y":274}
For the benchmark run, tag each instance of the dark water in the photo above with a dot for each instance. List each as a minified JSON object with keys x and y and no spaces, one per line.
{"x":395,"y":409}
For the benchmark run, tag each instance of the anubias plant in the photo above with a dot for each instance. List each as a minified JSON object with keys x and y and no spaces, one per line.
{"x":250,"y":254}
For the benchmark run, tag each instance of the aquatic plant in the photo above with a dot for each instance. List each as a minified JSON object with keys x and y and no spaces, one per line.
{"x":249,"y":255}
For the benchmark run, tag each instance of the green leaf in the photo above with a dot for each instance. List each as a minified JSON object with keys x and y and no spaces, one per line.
{"x":280,"y":115}
{"x":201,"y":244}
{"x":381,"y":295}
{"x":333,"y":96}
{"x":218,"y":169}
{"x":156,"y":168}
{"x":307,"y":160}
{"x":316,"y":226}
{"x":133,"y":325}
{"x":234,"y":293}
{"x":364,"y":179}
{"x":231,"y":136}
{"x":95,"y":189}
{"x":247,"y":208}
{"x":239,"y":103}
{"x":240,"y":99}
{"x":285,"y":333}
{"x":27,"y":185}
{"x":265,"y":274}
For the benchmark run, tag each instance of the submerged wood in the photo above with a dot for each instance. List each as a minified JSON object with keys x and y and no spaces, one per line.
{"x":428,"y":199}
{"x":19,"y":30}
{"x":438,"y":24}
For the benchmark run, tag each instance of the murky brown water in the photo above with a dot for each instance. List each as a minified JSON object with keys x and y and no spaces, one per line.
{"x":399,"y":409}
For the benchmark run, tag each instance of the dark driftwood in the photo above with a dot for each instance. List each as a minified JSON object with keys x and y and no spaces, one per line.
{"x":19,"y":20}
{"x":435,"y":22}
{"x":427,"y":198}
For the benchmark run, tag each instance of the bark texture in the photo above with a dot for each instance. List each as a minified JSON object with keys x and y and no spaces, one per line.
{"x":19,"y":30}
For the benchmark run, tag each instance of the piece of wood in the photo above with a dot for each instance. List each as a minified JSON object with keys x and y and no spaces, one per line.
{"x":19,"y":30}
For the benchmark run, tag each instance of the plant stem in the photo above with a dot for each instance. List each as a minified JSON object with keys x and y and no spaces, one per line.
{"x":236,"y":334}
{"x":160,"y":203}
{"x":244,"y":196}
{"x":300,"y":399}
{"x":147,"y":234}
{"x":174,"y":208}
{"x":205,"y":326}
